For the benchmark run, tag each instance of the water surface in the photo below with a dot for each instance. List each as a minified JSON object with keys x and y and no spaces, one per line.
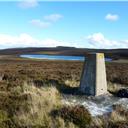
{"x":57,"y":57}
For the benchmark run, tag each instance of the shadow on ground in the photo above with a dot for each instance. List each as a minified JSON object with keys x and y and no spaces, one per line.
{"x":66,"y":89}
{"x":62,"y":88}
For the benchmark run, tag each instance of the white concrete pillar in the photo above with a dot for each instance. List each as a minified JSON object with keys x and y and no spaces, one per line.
{"x":93,"y":79}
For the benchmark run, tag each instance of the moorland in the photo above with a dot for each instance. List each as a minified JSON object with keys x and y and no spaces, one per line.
{"x":31,"y":91}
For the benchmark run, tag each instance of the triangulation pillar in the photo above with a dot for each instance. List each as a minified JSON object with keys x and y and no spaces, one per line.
{"x":93,"y":79}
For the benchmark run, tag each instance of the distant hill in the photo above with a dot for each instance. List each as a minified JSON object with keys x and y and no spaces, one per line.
{"x":60,"y":50}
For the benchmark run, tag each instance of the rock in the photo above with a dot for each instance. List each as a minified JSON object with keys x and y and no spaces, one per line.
{"x":123,"y":93}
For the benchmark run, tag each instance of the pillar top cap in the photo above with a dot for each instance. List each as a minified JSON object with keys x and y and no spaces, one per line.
{"x":94,"y":53}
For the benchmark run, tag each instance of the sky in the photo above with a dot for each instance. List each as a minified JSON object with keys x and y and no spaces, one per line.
{"x":84,"y":24}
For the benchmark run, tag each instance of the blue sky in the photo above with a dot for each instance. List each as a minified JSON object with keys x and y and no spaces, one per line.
{"x":47,"y":24}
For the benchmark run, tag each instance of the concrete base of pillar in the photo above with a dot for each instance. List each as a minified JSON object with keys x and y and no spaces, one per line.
{"x":93,"y":79}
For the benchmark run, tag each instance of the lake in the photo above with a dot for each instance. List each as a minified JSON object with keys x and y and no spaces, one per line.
{"x":57,"y":57}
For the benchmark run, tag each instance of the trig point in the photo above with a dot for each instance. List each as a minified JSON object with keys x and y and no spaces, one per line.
{"x":93,"y":79}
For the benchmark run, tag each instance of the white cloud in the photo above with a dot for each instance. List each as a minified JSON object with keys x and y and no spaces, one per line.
{"x":53,"y":17}
{"x":39,"y":23}
{"x":47,"y":20}
{"x":97,"y":40}
{"x":25,"y":40}
{"x":28,"y":3}
{"x":112,"y":17}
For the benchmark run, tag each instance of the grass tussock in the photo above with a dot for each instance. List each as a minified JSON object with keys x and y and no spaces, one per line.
{"x":29,"y":106}
{"x":119,"y":114}
{"x":114,"y":87}
{"x":42,"y":101}
{"x":77,"y":114}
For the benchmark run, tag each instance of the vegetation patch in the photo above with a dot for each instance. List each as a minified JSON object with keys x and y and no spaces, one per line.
{"x":77,"y":114}
{"x":30,"y":92}
{"x":123,"y":124}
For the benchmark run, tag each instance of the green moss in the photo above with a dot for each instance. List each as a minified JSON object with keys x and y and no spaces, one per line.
{"x":3,"y":116}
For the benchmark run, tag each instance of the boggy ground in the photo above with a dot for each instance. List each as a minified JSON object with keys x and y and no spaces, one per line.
{"x":29,"y":98}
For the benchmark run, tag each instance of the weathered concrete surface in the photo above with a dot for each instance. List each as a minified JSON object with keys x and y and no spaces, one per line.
{"x":93,"y":79}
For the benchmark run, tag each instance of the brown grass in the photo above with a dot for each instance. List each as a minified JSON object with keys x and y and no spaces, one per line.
{"x":28,"y":91}
{"x":30,"y":106}
{"x":59,"y":72}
